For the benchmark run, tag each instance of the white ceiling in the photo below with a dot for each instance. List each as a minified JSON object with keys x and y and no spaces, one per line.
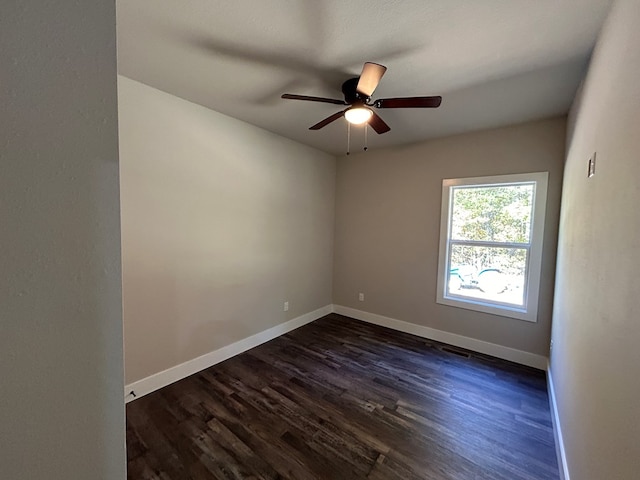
{"x":495,"y":62}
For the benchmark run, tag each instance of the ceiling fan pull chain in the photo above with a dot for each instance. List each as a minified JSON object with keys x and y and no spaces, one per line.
{"x":366,"y":137}
{"x":348,"y":137}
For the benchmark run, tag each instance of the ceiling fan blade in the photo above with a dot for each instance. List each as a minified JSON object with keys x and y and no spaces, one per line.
{"x":370,"y":77}
{"x":378,"y":124}
{"x":409,"y":102}
{"x":327,"y":121}
{"x":290,"y":96}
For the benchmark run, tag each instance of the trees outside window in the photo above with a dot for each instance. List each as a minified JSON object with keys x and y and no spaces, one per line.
{"x":491,"y":243}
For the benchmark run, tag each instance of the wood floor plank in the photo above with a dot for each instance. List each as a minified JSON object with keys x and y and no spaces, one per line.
{"x":340,"y":399}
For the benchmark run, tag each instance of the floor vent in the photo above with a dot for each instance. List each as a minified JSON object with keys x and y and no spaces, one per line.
{"x":460,"y":353}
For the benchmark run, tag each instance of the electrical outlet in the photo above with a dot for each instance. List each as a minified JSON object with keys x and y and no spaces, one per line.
{"x":551,"y":345}
{"x":286,"y":306}
{"x":361,"y":297}
{"x":592,"y":166}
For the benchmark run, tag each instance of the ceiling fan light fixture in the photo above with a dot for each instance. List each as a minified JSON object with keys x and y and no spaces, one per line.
{"x":358,"y":115}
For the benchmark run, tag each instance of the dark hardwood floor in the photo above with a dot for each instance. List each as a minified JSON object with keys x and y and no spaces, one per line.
{"x":342,"y":399}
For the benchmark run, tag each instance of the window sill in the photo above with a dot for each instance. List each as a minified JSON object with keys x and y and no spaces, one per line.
{"x":484,"y":307}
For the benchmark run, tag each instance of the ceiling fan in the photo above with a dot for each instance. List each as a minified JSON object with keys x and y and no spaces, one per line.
{"x":357,"y":94}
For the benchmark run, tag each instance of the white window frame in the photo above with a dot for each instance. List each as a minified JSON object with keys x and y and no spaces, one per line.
{"x":529,"y":311}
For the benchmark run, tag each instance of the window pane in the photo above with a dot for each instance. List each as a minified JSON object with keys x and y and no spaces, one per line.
{"x":488,"y":273}
{"x":496,"y":214}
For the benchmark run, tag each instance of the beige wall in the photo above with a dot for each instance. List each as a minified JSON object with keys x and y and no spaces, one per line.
{"x":221,"y":223}
{"x":388,"y":226}
{"x":596,"y":328}
{"x":61,"y":376}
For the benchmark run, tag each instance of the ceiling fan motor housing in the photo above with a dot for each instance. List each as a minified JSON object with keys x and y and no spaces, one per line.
{"x":351,"y":95}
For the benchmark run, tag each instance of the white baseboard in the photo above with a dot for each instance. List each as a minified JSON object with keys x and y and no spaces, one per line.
{"x":506,"y":353}
{"x":173,"y":374}
{"x":557,"y":429}
{"x":166,"y":377}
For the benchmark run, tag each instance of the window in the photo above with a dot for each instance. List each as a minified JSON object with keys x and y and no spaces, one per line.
{"x":491,"y":235}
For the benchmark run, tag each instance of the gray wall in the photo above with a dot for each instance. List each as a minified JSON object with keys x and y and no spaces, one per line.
{"x":61,"y":378}
{"x":222,"y":222}
{"x":595,"y":361}
{"x":388,"y":227}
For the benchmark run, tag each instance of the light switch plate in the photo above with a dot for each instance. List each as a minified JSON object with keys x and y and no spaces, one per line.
{"x":592,"y":166}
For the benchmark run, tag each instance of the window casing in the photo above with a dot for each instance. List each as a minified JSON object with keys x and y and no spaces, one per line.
{"x":491,"y":236}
